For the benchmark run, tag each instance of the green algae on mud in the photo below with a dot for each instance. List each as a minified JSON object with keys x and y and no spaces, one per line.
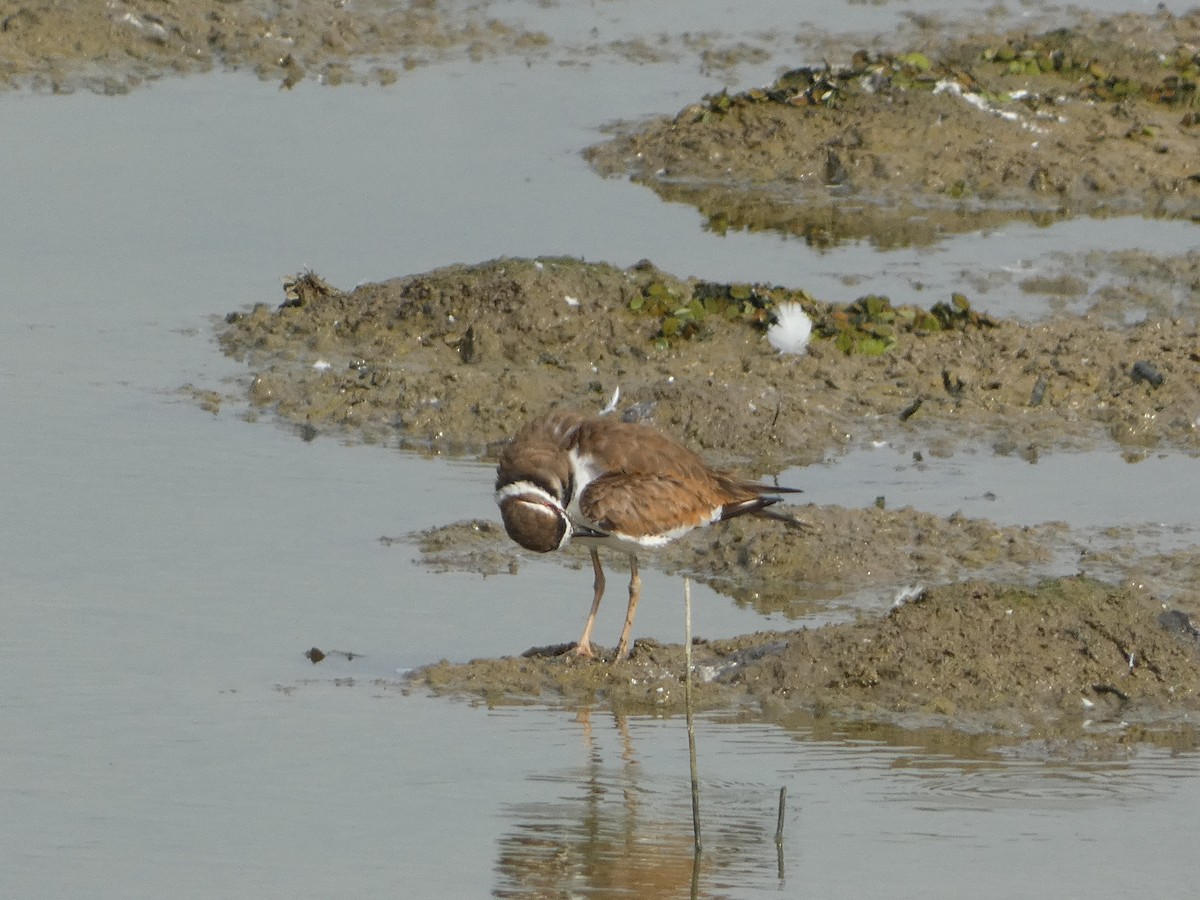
{"x":901,"y":148}
{"x":450,"y":359}
{"x":1065,"y":658}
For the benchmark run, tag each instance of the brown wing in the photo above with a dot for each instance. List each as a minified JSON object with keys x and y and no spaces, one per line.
{"x":634,"y":448}
{"x":640,"y":505}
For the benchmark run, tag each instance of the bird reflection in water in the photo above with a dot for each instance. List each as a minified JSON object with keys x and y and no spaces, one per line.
{"x":615,"y":835}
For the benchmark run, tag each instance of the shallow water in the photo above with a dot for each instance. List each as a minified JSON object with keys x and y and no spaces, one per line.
{"x":1092,"y":489}
{"x":163,"y":569}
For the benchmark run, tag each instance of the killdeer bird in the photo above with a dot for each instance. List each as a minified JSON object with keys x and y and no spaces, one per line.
{"x":609,"y":483}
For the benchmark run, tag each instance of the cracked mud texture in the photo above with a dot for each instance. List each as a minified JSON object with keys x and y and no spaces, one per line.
{"x":902,"y":148}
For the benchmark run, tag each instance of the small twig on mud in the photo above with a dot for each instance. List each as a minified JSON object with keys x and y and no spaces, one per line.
{"x":1039,"y":391}
{"x":911,"y":410}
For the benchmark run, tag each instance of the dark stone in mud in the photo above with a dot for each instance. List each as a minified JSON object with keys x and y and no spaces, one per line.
{"x":1046,"y":661}
{"x":1178,"y":622}
{"x":1146,"y":371}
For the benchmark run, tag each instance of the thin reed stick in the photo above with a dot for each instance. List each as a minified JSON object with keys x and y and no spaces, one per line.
{"x":779,"y":832}
{"x":779,"y":824}
{"x":687,"y":703}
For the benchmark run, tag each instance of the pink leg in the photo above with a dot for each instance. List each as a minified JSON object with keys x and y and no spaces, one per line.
{"x":584,"y":647}
{"x":635,"y":593}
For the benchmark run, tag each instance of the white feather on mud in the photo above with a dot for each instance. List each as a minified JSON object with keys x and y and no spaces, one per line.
{"x":791,"y":330}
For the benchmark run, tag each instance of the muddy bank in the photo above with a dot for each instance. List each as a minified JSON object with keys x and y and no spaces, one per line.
{"x":113,"y":47}
{"x":1064,"y":658}
{"x":117,"y":46}
{"x":451,"y":360}
{"x":953,"y":135}
{"x":840,"y":553}
{"x":1003,"y":651}
{"x":454,"y":359}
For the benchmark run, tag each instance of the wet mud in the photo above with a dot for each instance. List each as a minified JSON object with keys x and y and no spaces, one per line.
{"x":839,"y":558}
{"x":118,"y":46}
{"x":114,"y":47}
{"x":1117,"y":287}
{"x":966,"y":640}
{"x":453,"y":359}
{"x":1066,"y":657}
{"x":960,"y":134}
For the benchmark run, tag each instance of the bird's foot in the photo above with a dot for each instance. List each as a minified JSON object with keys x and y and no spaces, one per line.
{"x":584,"y":650}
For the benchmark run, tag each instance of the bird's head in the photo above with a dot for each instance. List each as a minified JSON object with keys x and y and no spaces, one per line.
{"x":533,"y":517}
